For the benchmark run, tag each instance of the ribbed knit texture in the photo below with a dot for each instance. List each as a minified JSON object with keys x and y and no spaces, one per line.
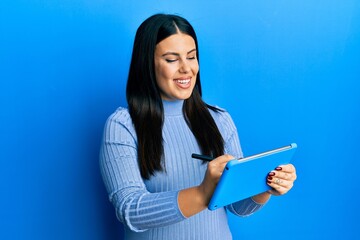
{"x":149,"y":209}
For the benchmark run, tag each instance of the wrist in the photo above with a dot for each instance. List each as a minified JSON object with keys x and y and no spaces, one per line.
{"x":203,"y":194}
{"x":192,"y":201}
{"x":261,"y":198}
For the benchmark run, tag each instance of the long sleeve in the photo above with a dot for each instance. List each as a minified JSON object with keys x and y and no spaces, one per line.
{"x":135,"y":206}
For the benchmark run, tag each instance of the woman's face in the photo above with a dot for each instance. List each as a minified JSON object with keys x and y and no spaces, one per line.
{"x":176,"y":66}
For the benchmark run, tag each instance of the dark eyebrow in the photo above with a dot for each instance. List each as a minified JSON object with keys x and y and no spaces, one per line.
{"x":193,"y":50}
{"x":177,"y":54}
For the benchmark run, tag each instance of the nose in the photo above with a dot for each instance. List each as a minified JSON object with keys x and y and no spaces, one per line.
{"x":185,"y":67}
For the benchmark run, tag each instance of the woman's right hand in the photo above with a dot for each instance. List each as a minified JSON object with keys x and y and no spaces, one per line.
{"x":212,"y":176}
{"x":195,"y":199}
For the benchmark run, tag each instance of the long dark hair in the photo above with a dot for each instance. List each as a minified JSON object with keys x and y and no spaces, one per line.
{"x":145,"y":103}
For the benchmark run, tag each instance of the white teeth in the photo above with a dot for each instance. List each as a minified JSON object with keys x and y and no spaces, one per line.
{"x":186,"y":81}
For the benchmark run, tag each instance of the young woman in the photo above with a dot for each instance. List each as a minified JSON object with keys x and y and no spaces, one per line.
{"x":157,"y":189}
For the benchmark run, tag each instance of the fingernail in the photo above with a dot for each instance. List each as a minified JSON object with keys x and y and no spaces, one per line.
{"x":278,"y":168}
{"x":270,"y":178}
{"x":268,"y":182}
{"x":271,"y":174}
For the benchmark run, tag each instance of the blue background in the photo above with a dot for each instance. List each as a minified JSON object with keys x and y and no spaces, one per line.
{"x":287,"y":71}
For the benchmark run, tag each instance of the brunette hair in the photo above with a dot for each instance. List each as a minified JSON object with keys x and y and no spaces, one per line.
{"x":145,"y":103}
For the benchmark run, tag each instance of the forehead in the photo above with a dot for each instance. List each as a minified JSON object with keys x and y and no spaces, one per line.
{"x":178,"y":42}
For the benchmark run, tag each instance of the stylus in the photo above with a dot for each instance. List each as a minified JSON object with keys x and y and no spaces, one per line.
{"x":202,"y":157}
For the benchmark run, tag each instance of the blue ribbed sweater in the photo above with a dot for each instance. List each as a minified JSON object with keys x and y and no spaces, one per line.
{"x":149,"y":209}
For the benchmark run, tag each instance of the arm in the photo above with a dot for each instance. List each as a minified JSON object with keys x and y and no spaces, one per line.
{"x":196,"y":199}
{"x":135,"y":206}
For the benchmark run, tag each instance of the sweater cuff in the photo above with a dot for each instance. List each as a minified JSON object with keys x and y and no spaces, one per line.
{"x":245,"y":207}
{"x":149,"y":210}
{"x":178,"y":208}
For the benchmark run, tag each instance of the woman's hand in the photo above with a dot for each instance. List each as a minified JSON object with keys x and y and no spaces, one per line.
{"x":212,"y":176}
{"x":281,"y":179}
{"x":195,"y":199}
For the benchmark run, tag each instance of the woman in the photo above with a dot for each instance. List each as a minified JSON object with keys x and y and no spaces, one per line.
{"x":157,"y":189}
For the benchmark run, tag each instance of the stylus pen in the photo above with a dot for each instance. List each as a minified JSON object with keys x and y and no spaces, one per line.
{"x":202,"y":157}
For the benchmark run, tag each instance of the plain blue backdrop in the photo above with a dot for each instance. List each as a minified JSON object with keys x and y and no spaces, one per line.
{"x":287,"y":71}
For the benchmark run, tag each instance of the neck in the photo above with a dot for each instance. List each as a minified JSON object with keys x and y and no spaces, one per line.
{"x":173,"y":107}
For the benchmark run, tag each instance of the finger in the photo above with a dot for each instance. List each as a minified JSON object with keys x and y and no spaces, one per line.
{"x":283,"y":175}
{"x":279,"y":188}
{"x":286,"y":168}
{"x":274,"y":182}
{"x":223,"y":159}
{"x":220,"y":162}
{"x":216,"y":166}
{"x":289,"y":169}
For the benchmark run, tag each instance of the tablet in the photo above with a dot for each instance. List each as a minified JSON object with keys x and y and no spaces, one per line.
{"x":246,"y":177}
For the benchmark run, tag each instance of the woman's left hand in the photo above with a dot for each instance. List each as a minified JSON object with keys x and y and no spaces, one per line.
{"x":281,"y":179}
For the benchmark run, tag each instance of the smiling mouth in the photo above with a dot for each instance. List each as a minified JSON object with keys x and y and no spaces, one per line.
{"x":183,"y":80}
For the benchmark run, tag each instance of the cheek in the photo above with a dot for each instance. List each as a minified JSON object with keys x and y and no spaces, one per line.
{"x":164,"y":72}
{"x":195,"y":67}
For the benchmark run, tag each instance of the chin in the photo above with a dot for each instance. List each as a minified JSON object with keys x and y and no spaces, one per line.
{"x":184,"y":97}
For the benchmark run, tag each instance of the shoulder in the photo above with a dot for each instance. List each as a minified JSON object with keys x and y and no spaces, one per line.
{"x":223,"y":120}
{"x":221,"y":115}
{"x":120,"y":122}
{"x":120,"y":116}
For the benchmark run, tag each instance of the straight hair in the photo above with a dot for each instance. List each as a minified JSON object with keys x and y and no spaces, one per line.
{"x":145,"y":103}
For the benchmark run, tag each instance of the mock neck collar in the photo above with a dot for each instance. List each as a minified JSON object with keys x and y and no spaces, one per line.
{"x":173,"y":107}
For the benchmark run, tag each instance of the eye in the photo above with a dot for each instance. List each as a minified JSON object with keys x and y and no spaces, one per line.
{"x":170,"y":60}
{"x":191,"y":58}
